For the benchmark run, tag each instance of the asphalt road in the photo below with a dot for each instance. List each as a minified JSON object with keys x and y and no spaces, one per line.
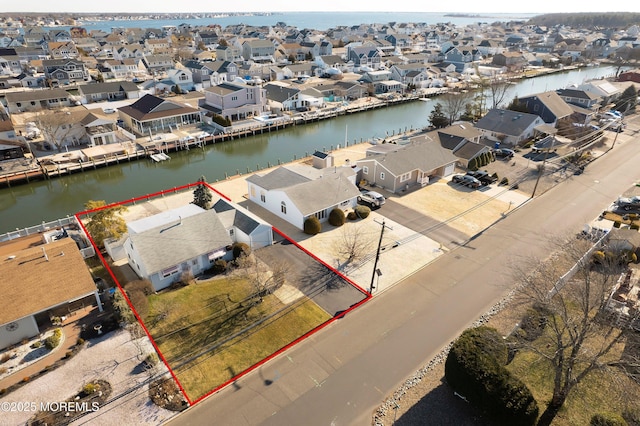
{"x":341,"y":374}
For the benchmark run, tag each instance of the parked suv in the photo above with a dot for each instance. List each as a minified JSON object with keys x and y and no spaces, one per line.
{"x":466,"y":180}
{"x":504,"y":153}
{"x":483,"y":176}
{"x":372,"y":198}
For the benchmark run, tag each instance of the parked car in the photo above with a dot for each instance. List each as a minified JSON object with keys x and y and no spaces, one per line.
{"x":109,"y":111}
{"x":483,"y":176}
{"x":374,"y":199}
{"x":629,"y":203}
{"x":466,"y":180}
{"x":504,"y":153}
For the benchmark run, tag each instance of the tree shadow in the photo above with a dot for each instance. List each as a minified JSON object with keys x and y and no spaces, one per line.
{"x":441,"y":407}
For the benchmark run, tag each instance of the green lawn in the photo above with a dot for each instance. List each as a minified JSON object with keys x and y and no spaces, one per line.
{"x":211,"y":331}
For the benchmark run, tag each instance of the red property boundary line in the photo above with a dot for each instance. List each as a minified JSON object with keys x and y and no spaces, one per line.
{"x":141,"y":322}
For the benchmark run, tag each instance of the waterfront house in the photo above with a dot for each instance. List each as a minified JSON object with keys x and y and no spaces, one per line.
{"x":112,"y":91}
{"x":235,"y":101}
{"x":508,"y":127}
{"x":33,"y":100}
{"x":399,"y":167}
{"x":581,"y":98}
{"x":41,"y":280}
{"x":603,"y":88}
{"x":548,"y":105}
{"x":296,"y":192}
{"x":189,"y":239}
{"x":326,"y":62}
{"x":151,"y":114}
{"x":512,"y":61}
{"x":281,"y":97}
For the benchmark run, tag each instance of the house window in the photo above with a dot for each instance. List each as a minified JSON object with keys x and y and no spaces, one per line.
{"x":263,"y":197}
{"x":381,"y":175}
{"x":283,"y":207}
{"x":405,"y":177}
{"x":365,"y":170}
{"x":194,"y":262}
{"x":253,"y":191}
{"x":231,"y":232}
{"x":170,"y":271}
{"x":321,"y":214}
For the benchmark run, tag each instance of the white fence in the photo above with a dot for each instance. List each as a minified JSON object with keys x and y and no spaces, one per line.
{"x":44,"y":226}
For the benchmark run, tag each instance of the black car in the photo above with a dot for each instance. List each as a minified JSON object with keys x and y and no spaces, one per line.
{"x":483,"y":176}
{"x":466,"y":180}
{"x":504,"y":153}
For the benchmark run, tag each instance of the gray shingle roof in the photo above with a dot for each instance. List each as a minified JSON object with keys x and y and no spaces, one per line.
{"x":425,"y":156}
{"x":506,"y":121}
{"x":277,"y":179}
{"x":171,"y":244}
{"x":331,"y":189}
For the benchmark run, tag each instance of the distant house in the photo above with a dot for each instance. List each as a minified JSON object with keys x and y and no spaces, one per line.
{"x":508,"y":127}
{"x":154,"y":114}
{"x":235,"y":101}
{"x":548,"y":105}
{"x":397,"y":168}
{"x":33,"y":100}
{"x":157,"y":63}
{"x":258,"y":50}
{"x":62,"y":49}
{"x":512,"y":61}
{"x":281,"y":97}
{"x":297,"y":193}
{"x":53,"y":281}
{"x":65,"y":71}
{"x":189,"y":240}
{"x":364,"y":56}
{"x":112,"y":91}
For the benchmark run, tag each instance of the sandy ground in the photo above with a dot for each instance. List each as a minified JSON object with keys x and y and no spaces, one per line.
{"x":114,"y":358}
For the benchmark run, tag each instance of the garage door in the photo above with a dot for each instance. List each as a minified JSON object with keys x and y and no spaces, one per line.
{"x":449,"y":169}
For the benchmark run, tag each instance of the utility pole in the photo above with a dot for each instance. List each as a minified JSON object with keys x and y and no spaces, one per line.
{"x":375,"y":263}
{"x":544,"y":162}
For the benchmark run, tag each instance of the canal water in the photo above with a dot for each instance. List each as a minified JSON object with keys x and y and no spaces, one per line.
{"x":31,"y":204}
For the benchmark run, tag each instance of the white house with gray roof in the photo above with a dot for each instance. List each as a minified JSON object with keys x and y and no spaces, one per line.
{"x":189,"y":239}
{"x":295,"y":193}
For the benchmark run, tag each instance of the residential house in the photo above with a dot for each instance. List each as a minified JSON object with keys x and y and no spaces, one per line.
{"x":580,"y":98}
{"x":548,"y":105}
{"x":235,"y":101}
{"x":295,"y":193}
{"x":54,"y":281}
{"x":228,"y":53}
{"x":158,"y":63}
{"x":282,"y":97}
{"x":260,"y":51}
{"x":188,"y":240}
{"x":9,"y":150}
{"x":62,"y":50}
{"x":157,"y":46}
{"x":341,"y":90}
{"x":397,"y":168}
{"x":65,"y":71}
{"x":512,"y":61}
{"x":181,"y":78}
{"x":461,"y":57}
{"x":508,"y":127}
{"x":603,"y":88}
{"x":33,"y":100}
{"x":7,"y":130}
{"x":125,"y":69}
{"x":326,"y":62}
{"x":111,"y":91}
{"x":367,"y":57}
{"x":153,"y":114}
{"x":490,"y":47}
{"x":10,"y":63}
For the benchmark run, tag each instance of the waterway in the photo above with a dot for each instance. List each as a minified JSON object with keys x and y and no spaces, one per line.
{"x":30,"y":204}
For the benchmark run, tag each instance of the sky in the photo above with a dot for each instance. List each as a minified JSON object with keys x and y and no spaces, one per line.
{"x":461,"y":6}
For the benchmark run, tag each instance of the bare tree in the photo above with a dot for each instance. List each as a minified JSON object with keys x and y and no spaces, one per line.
{"x":264,"y":278}
{"x":498,"y":89}
{"x":578,"y":337}
{"x":353,"y":244}
{"x":55,"y":126}
{"x":453,"y":104}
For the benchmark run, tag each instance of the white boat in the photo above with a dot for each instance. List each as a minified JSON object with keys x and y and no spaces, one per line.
{"x":159,"y":157}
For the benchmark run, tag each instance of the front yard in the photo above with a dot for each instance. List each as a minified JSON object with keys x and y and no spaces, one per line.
{"x":211,"y":331}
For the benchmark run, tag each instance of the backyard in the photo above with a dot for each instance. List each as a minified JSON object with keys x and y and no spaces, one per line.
{"x":212,"y":330}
